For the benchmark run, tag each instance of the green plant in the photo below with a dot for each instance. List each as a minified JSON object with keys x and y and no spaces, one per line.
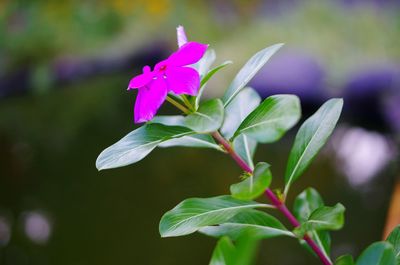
{"x":235,"y":125}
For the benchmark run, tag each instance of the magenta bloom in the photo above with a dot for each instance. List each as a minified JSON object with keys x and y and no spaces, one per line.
{"x":172,"y":74}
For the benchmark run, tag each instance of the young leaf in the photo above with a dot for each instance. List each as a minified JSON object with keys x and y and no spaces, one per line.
{"x":208,"y":118}
{"x":394,"y":239}
{"x":310,"y":138}
{"x":212,"y":72}
{"x":323,"y":218}
{"x":345,"y":260}
{"x":379,"y":253}
{"x":305,"y":203}
{"x":223,"y":253}
{"x":269,"y":121}
{"x":192,"y":214}
{"x":207,"y":77}
{"x":138,"y":144}
{"x":248,"y":71}
{"x":260,"y":224}
{"x":241,"y":106}
{"x":254,"y":185}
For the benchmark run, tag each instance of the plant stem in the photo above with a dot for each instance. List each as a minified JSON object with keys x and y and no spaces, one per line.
{"x":272,"y":197}
{"x":178,"y":105}
{"x":227,"y":146}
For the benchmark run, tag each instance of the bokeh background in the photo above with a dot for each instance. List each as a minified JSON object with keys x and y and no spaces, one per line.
{"x":64,"y":69}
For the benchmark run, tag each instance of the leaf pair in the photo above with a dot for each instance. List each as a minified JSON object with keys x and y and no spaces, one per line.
{"x":220,"y":216}
{"x":240,"y":101}
{"x":323,"y":218}
{"x":254,"y":185}
{"x":315,"y":218}
{"x":165,"y":131}
{"x":248,"y":122}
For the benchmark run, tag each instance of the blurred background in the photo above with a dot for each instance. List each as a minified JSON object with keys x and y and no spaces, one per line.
{"x":64,"y":69}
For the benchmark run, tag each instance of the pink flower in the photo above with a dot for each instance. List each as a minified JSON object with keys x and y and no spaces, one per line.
{"x":170,"y":75}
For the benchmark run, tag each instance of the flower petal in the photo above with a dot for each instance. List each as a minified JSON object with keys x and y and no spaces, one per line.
{"x":189,"y":53}
{"x":149,"y":100}
{"x":141,"y":80}
{"x":181,"y":36}
{"x":183,"y":80}
{"x":160,"y":66}
{"x":146,"y":69}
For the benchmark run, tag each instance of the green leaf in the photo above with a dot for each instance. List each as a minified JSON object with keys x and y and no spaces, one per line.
{"x":208,"y":118}
{"x":224,"y":252}
{"x":169,"y":120}
{"x":246,"y":248}
{"x":254,"y":185}
{"x":241,"y":106}
{"x":379,"y":253}
{"x":269,"y":121}
{"x":194,"y":140}
{"x":345,"y":260}
{"x":310,"y":138}
{"x":207,"y":77}
{"x":245,"y":147}
{"x":243,"y":253}
{"x":212,"y":72}
{"x":138,"y":144}
{"x":305,"y":203}
{"x":394,"y":239}
{"x":260,"y":224}
{"x":192,"y":214}
{"x":248,"y":71}
{"x":323,"y":218}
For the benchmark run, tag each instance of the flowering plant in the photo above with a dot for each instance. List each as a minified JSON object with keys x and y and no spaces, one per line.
{"x":235,"y":125}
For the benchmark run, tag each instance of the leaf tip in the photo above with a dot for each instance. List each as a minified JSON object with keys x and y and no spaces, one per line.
{"x":98,"y":166}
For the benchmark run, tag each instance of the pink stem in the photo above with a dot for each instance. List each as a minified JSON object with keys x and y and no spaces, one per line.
{"x":272,"y":197}
{"x":325,"y":260}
